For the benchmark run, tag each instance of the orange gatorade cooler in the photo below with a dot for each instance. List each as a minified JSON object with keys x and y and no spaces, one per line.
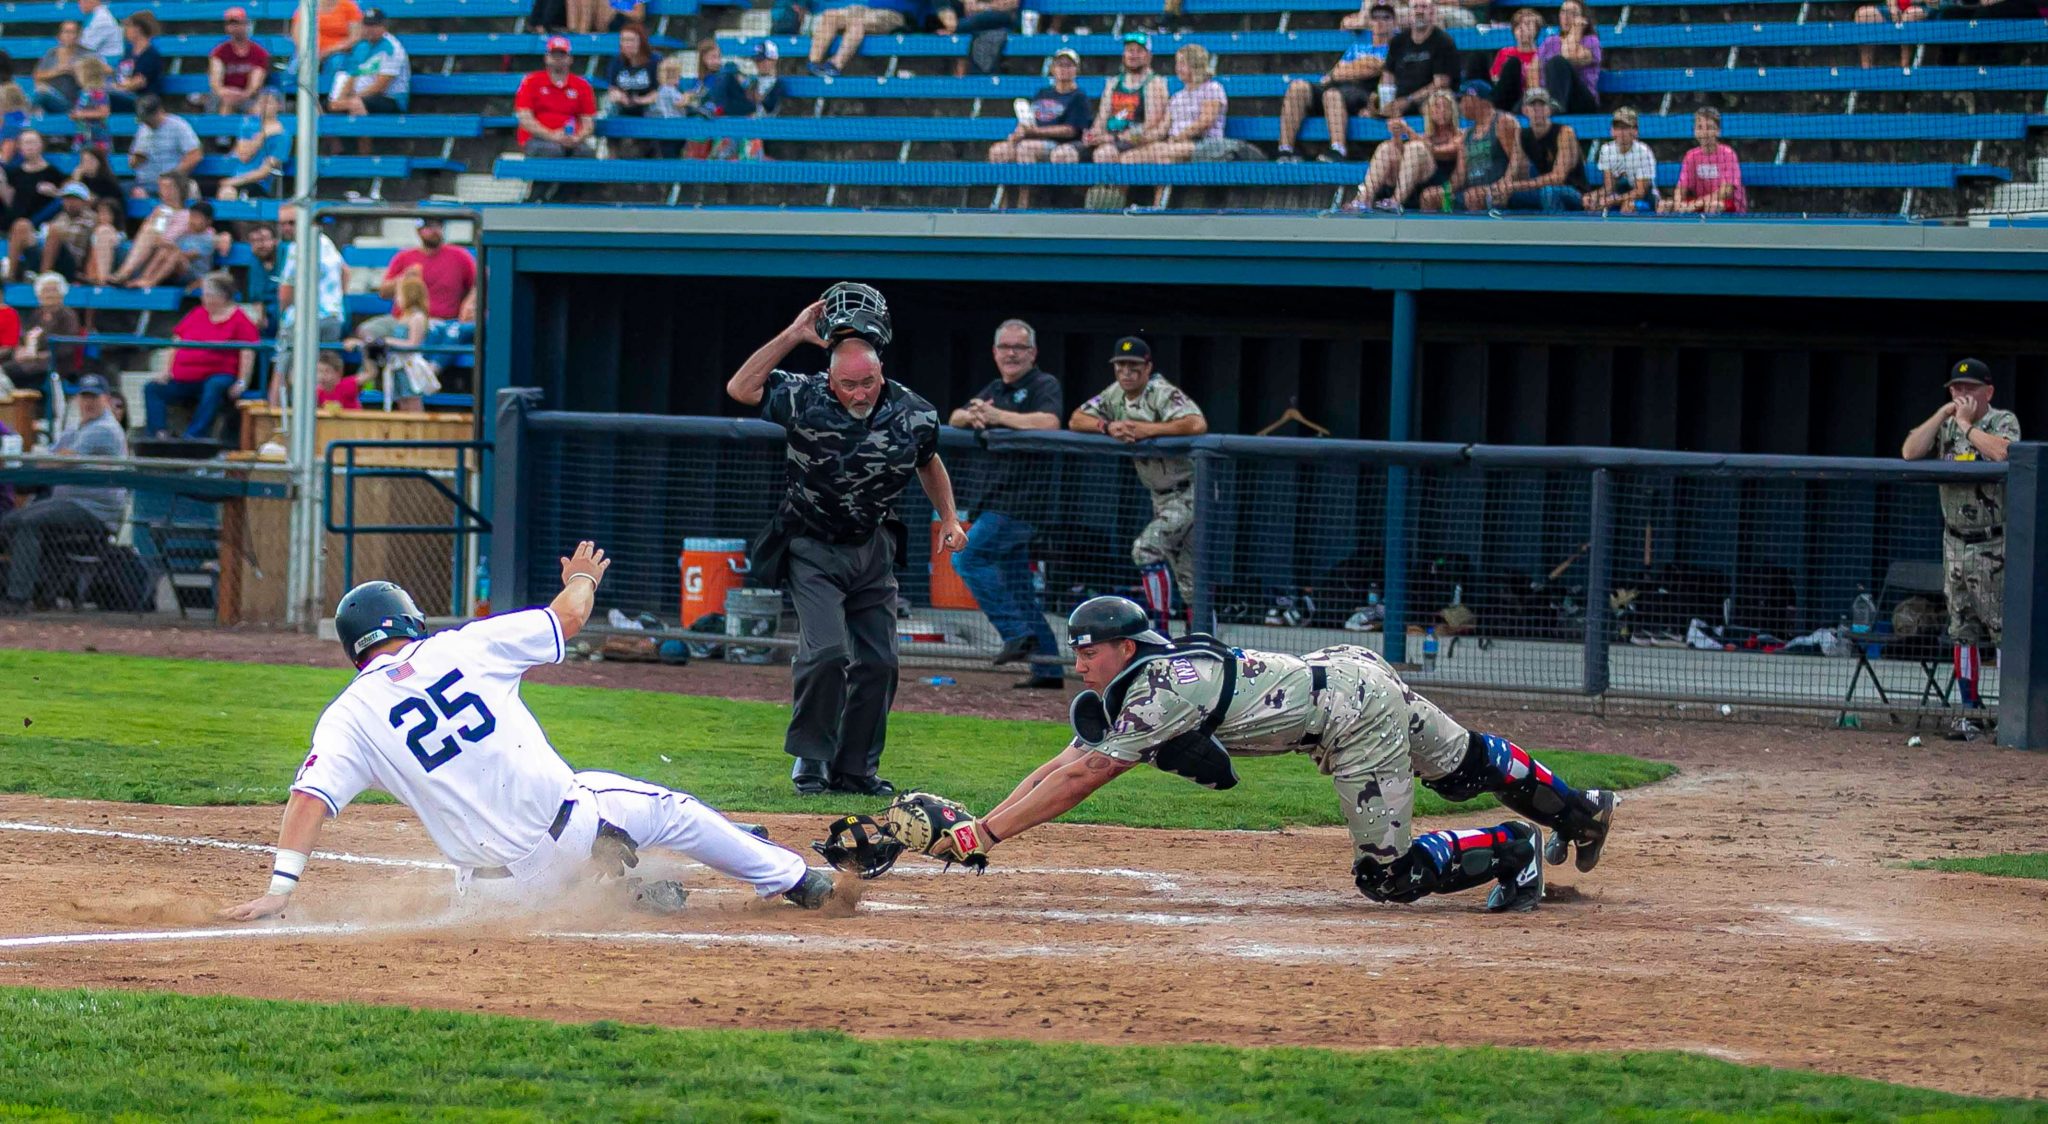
{"x":710,"y":568}
{"x":948,"y":591}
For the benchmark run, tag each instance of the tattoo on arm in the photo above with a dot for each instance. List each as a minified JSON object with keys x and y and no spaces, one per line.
{"x":1100,"y":761}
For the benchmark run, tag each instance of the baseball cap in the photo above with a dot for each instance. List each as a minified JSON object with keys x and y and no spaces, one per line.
{"x":92,"y":384}
{"x":1138,"y":37}
{"x":233,"y":14}
{"x":76,"y":191}
{"x":373,"y":17}
{"x":1476,"y":88}
{"x":1130,"y":347}
{"x":1970,"y":370}
{"x":766,"y":50}
{"x":428,"y":220}
{"x":1625,"y":116}
{"x":558,"y":43}
{"x":1067,"y":53}
{"x":1539,"y":94}
{"x":1382,"y":7}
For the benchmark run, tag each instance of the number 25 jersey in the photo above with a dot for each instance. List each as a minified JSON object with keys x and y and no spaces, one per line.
{"x":439,"y":725}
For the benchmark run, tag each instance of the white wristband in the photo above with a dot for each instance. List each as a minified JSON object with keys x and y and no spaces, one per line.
{"x":284,"y":875}
{"x":585,"y":577}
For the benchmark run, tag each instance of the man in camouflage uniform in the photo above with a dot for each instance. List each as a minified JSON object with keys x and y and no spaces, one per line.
{"x":1141,"y":405}
{"x":855,"y":440}
{"x":1967,"y":428}
{"x":1189,"y":706}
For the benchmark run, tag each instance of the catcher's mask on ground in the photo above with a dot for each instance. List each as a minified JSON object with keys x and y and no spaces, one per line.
{"x":858,"y":844}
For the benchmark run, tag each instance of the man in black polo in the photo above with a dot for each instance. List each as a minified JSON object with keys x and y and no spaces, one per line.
{"x":855,"y":440}
{"x":995,"y":565}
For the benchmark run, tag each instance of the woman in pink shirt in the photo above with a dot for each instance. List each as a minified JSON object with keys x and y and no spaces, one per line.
{"x":1710,"y":182}
{"x":206,"y":377}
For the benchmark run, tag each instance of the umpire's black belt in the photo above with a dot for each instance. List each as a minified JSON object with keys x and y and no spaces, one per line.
{"x":555,"y":830}
{"x":1318,"y":678}
{"x":1975,"y":537}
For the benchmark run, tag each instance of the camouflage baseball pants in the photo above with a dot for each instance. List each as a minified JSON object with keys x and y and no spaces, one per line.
{"x":1169,"y":537}
{"x":1975,"y":584}
{"x":1380,"y":736}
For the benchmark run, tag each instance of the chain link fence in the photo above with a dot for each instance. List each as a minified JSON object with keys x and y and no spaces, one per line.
{"x":1529,"y":573}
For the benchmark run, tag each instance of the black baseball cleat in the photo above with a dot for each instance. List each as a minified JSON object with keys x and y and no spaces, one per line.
{"x":811,"y":891}
{"x":1521,"y":890}
{"x":1015,"y":649}
{"x":663,"y":897}
{"x":1603,"y":820}
{"x":862,"y":786}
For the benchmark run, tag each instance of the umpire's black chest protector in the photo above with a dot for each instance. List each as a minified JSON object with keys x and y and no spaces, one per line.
{"x":1197,"y":754}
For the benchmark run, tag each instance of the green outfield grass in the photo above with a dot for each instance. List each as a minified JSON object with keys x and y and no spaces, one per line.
{"x":192,"y":732}
{"x":2030,"y":865}
{"x":95,"y":1055}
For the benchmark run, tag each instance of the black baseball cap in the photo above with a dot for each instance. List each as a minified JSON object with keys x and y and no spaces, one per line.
{"x":1377,"y":8}
{"x":1130,"y":347}
{"x":92,"y":384}
{"x":1970,"y":370}
{"x":373,"y":17}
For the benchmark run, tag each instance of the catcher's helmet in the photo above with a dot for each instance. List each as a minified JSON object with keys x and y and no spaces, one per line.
{"x":854,"y":309}
{"x":1111,"y":618}
{"x":372,"y":613}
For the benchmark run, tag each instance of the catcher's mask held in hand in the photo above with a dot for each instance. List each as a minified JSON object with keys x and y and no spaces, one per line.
{"x":854,"y":309}
{"x":858,"y":844}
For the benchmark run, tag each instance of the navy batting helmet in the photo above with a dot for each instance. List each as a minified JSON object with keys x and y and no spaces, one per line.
{"x":1100,"y":619}
{"x":372,"y":613}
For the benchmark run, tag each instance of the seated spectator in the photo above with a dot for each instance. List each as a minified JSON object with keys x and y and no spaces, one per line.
{"x":1407,"y":162}
{"x":262,"y":145}
{"x":37,"y":357}
{"x":182,"y":262}
{"x":1710,"y":181}
{"x":1489,"y":152}
{"x":330,"y":295}
{"x":988,"y":25}
{"x":1348,"y":90}
{"x":1569,"y":60}
{"x":584,"y":17}
{"x":66,"y":238}
{"x":556,"y":108}
{"x":1057,"y":116}
{"x":337,"y":27}
{"x":851,"y":21}
{"x":237,"y":70}
{"x":204,"y":378}
{"x":376,"y":77}
{"x":260,"y":282}
{"x":1624,"y":170}
{"x":165,"y":224}
{"x":73,"y":518}
{"x":1132,"y":110}
{"x":10,"y":338}
{"x":140,"y":73}
{"x":56,"y":75}
{"x":763,"y":92}
{"x":1898,"y":13}
{"x":449,"y":272}
{"x":405,"y":374}
{"x":1423,"y":59}
{"x":164,"y":142}
{"x":1516,"y":62}
{"x":92,"y":173}
{"x":1193,"y":115}
{"x":334,"y":388}
{"x":31,"y":184}
{"x":14,"y":117}
{"x":110,"y":218}
{"x":630,"y":81}
{"x":90,"y":131}
{"x":671,"y":99}
{"x":101,"y":34}
{"x":1552,"y":169}
{"x":1451,"y":13}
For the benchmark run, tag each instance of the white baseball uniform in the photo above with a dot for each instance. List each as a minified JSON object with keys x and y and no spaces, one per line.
{"x":439,"y":725}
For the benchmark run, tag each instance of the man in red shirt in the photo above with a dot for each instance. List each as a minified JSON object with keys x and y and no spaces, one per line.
{"x":236,"y":70}
{"x":449,"y":271}
{"x":556,"y":108}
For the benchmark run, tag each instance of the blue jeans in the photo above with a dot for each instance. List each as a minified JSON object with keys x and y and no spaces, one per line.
{"x":209,"y":395}
{"x":1551,"y":200}
{"x":995,"y":565}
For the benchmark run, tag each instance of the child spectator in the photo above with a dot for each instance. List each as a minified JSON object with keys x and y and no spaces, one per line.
{"x":1625,"y":168}
{"x":335,"y":388}
{"x":410,"y":375}
{"x":1710,"y":181}
{"x":13,"y":119}
{"x":90,"y":111}
{"x":91,"y":172}
{"x":1514,"y":65}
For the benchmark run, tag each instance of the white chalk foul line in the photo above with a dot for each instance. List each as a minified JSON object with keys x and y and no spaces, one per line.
{"x":49,"y":939}
{"x":218,"y":844}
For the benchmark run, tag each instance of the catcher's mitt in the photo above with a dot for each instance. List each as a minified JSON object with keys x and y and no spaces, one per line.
{"x":936,"y":826}
{"x":860,"y":845}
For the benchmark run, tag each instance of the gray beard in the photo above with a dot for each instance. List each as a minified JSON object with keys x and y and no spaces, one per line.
{"x":861,"y":412}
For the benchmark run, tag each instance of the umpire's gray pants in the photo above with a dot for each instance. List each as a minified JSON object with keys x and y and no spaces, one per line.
{"x":845,"y":672}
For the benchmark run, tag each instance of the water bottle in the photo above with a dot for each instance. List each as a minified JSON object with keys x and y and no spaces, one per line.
{"x":483,"y":587}
{"x":1862,"y":611}
{"x":1372,"y":594}
{"x":1387,"y":92}
{"x":941,"y":681}
{"x":1429,"y":649}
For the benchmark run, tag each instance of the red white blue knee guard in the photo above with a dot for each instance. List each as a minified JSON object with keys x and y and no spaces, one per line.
{"x":1494,"y":764}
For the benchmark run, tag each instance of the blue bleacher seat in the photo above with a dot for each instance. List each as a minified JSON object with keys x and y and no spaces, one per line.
{"x":430,"y":126}
{"x":92,"y":296}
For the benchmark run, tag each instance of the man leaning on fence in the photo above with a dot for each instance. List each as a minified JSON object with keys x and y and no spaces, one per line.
{"x":73,"y":519}
{"x":855,"y":440}
{"x":995,"y":564}
{"x":1140,"y":405}
{"x":1967,"y":428}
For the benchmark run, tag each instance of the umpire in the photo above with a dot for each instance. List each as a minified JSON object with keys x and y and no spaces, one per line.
{"x":855,"y":440}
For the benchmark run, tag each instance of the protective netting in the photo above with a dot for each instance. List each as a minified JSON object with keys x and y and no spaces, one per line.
{"x":1498,"y":571}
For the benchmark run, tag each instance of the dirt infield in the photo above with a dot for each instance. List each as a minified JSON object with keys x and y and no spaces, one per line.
{"x":1748,"y":909}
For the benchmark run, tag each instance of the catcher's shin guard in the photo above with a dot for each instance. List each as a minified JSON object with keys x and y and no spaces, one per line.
{"x":1444,"y":862}
{"x":1494,"y":764}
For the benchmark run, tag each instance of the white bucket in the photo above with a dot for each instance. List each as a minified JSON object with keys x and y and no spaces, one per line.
{"x":751,"y":612}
